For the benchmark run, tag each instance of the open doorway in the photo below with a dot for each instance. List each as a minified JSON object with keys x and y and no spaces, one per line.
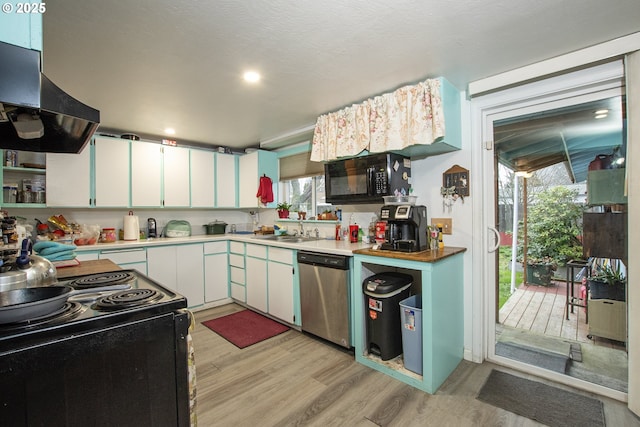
{"x":549,"y":202}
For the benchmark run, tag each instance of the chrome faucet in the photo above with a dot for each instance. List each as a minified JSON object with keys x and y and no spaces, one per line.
{"x":301,"y":228}
{"x":317,"y":233}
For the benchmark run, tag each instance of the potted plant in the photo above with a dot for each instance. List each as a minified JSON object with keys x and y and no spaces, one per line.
{"x":283,"y":210}
{"x":608,"y":283}
{"x":553,"y":228}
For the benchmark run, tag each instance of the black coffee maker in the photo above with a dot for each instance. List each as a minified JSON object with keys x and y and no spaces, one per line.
{"x":406,"y":229}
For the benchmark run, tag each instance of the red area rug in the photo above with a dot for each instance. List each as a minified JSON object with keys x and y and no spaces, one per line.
{"x":245,"y":328}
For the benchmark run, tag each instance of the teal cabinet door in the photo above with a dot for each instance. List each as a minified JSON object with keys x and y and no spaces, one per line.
{"x":20,"y":25}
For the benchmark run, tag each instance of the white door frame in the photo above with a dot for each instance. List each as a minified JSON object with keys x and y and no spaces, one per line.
{"x":633,"y":283}
{"x":576,"y":87}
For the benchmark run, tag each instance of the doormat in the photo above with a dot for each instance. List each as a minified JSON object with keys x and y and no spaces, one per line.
{"x":540,"y":402}
{"x":245,"y":328}
{"x":533,"y":356}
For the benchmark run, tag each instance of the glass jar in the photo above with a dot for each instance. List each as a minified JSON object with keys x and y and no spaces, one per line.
{"x":108,"y":235}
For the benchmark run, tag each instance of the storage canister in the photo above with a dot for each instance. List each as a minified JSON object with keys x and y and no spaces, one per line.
{"x":108,"y":235}
{"x":10,"y":193}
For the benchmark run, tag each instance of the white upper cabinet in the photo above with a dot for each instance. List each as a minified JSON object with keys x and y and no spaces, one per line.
{"x":69,"y":179}
{"x":226,"y":181}
{"x":203,"y":179}
{"x":111,"y":172}
{"x":252,"y":167}
{"x":146,"y":174}
{"x":176,"y":177}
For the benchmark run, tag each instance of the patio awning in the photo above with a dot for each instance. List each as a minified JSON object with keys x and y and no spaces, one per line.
{"x":571,"y":135}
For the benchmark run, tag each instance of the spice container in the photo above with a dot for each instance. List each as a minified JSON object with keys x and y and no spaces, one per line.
{"x":10,"y":193}
{"x":108,"y":235}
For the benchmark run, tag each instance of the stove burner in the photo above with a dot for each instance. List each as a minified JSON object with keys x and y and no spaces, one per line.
{"x":127,"y":299}
{"x":67,"y":312}
{"x":102,"y":279}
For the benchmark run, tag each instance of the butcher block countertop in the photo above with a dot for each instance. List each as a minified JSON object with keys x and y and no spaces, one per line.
{"x":423,"y":256}
{"x":88,"y":267}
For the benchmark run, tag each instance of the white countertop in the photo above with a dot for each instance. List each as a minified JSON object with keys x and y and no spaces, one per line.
{"x":337,"y":247}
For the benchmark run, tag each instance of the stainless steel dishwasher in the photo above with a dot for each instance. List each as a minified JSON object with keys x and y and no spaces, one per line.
{"x":324,"y":296}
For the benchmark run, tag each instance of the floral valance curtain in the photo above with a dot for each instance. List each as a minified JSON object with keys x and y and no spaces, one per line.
{"x":408,"y":116}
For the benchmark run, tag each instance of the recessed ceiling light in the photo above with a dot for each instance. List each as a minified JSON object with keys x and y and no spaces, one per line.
{"x":251,"y":77}
{"x":601,"y":116}
{"x":170,"y":131}
{"x":601,"y":112}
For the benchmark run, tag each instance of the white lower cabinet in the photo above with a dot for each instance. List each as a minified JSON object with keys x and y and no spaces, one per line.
{"x":216,"y":273}
{"x":256,"y":274}
{"x":270,"y":280}
{"x":236,"y":272}
{"x":128,"y":259}
{"x":281,"y":284}
{"x":180,"y":268}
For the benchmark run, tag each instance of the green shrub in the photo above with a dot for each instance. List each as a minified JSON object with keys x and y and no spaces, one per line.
{"x":554,"y":224}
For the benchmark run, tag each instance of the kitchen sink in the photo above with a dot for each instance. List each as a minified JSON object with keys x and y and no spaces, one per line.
{"x":288,"y":238}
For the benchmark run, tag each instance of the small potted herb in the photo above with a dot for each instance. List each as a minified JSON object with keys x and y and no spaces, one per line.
{"x":283,"y":210}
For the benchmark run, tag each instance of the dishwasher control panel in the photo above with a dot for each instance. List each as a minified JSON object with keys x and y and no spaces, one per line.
{"x":325,"y":260}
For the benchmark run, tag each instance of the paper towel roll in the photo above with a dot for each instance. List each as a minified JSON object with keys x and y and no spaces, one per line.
{"x":131,"y":227}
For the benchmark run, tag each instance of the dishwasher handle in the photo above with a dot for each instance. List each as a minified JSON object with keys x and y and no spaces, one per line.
{"x":339,"y":262}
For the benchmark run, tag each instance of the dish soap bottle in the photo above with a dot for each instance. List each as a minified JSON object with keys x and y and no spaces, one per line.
{"x":440,"y":240}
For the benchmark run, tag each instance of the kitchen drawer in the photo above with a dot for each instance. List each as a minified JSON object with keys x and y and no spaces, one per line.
{"x":236,"y":247}
{"x":87,"y":256}
{"x":238,"y":293}
{"x":285,"y":256}
{"x":236,"y":260}
{"x":256,"y":251}
{"x":215,"y":247}
{"x":237,"y":275}
{"x":125,"y":256}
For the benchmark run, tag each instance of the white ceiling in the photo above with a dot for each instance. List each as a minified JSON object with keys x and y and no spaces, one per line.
{"x":147,"y":65}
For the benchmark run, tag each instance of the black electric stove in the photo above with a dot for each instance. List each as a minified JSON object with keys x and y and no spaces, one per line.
{"x":107,"y":357}
{"x":144,"y":297}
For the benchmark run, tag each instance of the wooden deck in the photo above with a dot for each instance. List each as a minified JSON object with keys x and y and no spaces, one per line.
{"x":541,"y":310}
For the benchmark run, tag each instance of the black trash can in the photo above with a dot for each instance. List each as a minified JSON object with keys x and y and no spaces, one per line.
{"x":383,"y":293}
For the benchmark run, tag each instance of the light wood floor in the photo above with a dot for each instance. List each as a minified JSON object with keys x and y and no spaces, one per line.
{"x":295,"y":379}
{"x":542,"y":310}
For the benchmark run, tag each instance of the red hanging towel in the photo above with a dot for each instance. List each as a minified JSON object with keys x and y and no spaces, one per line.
{"x":265,"y":190}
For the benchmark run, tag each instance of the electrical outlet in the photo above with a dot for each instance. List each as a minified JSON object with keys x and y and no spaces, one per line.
{"x":447,"y":224}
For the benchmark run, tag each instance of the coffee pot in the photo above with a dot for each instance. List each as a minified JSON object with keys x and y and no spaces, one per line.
{"x":152,"y":230}
{"x":405,"y":229}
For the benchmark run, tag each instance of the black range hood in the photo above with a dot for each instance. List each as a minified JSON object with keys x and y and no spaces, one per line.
{"x":35,"y":114}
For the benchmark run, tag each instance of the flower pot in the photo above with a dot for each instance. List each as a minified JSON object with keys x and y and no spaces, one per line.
{"x":540,"y":274}
{"x":604,"y":290}
{"x":284,"y":214}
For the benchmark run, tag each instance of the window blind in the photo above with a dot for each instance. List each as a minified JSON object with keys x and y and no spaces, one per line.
{"x":299,"y":166}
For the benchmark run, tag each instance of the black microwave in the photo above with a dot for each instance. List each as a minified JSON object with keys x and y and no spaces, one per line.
{"x":366,"y":179}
